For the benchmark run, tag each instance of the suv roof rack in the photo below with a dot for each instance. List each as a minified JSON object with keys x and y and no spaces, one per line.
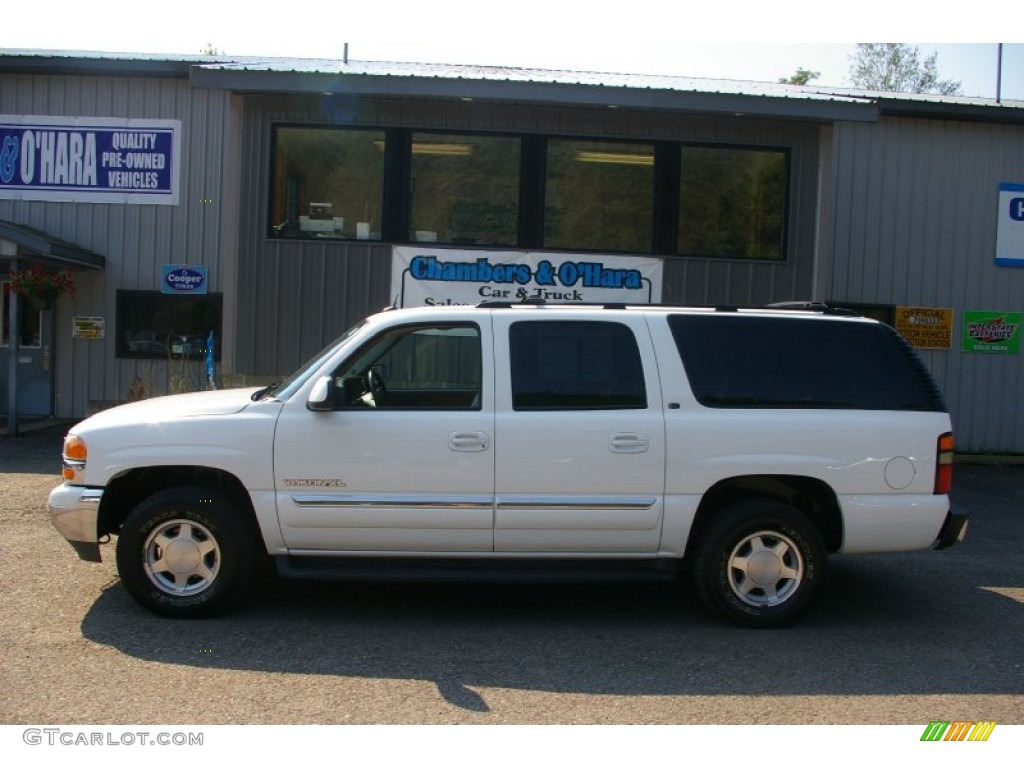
{"x":796,"y":306}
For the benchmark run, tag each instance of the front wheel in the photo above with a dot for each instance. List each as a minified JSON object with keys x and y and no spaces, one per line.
{"x":186,"y":552}
{"x":760,"y":563}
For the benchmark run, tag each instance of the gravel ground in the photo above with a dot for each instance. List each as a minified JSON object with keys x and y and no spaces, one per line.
{"x":901,"y":639}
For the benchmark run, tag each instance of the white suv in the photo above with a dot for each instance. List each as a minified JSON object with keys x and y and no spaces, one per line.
{"x":532,"y":442}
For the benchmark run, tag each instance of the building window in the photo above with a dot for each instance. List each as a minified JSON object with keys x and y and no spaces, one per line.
{"x":732,"y":202}
{"x":573,"y":365}
{"x":464,"y":189}
{"x":599,"y":196}
{"x":155,"y":326}
{"x":328,"y":183}
{"x":29,"y":321}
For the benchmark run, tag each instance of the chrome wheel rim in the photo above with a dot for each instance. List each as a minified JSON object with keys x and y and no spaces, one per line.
{"x":181,"y":557}
{"x":765,"y":569}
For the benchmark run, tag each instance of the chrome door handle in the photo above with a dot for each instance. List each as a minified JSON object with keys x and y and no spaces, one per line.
{"x":469,"y":441}
{"x":628,"y":442}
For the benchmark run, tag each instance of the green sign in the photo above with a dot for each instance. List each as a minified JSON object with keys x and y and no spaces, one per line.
{"x":996,"y":333}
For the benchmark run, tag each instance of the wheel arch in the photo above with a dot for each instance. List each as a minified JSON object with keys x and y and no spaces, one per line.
{"x":811,"y":496}
{"x":128,"y":489}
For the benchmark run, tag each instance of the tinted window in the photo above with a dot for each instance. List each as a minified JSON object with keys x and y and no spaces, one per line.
{"x":745,"y":362}
{"x":732,"y":202}
{"x":575,"y":365}
{"x":328,"y":183}
{"x":464,"y":189}
{"x":166,"y":327}
{"x":599,"y":196}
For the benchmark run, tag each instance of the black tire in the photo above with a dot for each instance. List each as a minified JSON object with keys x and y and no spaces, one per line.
{"x":187,"y":552}
{"x":759,"y":563}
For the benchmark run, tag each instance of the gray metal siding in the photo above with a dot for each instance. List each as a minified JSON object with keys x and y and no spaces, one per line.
{"x":914,"y":208}
{"x":295,"y":296}
{"x":136,"y":240}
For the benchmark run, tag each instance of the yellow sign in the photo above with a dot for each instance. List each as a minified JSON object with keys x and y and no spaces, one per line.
{"x":926,"y":327}
{"x":88,"y":327}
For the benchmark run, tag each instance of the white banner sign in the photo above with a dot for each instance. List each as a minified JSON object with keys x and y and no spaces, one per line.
{"x":1010,"y":233}
{"x":429,"y":276}
{"x":89,"y":159}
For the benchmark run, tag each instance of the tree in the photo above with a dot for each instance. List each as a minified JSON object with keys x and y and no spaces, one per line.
{"x":800,"y":77}
{"x":898,"y":67}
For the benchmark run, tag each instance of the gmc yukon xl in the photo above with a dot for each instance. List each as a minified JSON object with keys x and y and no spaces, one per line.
{"x":739,"y":447}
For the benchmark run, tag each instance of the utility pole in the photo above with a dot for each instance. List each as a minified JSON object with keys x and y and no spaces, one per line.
{"x":999,"y":73}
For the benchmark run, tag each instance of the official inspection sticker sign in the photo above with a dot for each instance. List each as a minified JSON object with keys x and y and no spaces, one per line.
{"x":996,"y":333}
{"x":437,"y":276}
{"x":926,"y":327}
{"x":93,"y":328}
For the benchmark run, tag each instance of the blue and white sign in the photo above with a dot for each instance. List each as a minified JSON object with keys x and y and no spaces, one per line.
{"x":1010,"y":231}
{"x":180,"y":278}
{"x":89,"y":159}
{"x":428,"y":276}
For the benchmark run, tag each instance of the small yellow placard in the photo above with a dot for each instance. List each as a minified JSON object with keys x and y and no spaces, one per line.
{"x":926,"y":327}
{"x":88,"y":327}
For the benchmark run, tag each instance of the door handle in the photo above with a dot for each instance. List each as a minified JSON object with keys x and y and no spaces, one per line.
{"x":628,"y":442}
{"x":469,"y":441}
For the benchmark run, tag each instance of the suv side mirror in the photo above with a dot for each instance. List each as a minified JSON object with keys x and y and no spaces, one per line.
{"x":321,"y":397}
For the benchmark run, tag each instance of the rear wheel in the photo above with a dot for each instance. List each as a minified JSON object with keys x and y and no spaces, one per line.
{"x":186,"y":552}
{"x":760,"y":563}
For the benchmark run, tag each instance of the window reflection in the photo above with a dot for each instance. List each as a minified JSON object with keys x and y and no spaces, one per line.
{"x":328,"y":183}
{"x":599,"y":196}
{"x":465,"y":189}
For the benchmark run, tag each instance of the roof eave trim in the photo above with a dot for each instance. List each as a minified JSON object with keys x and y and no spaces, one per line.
{"x":329,"y":83}
{"x":65,"y":253}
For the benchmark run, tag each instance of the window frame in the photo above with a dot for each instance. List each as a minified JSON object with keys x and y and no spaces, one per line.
{"x":387,"y":171}
{"x":636,"y":363}
{"x":676,"y":214}
{"x":667,"y":179}
{"x":349,"y":367}
{"x":408,"y":208}
{"x":121,"y":347}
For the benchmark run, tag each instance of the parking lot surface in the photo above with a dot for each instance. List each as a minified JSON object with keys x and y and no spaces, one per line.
{"x":894,"y":639}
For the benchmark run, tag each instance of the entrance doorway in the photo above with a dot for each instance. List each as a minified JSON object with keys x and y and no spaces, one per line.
{"x":33,"y":356}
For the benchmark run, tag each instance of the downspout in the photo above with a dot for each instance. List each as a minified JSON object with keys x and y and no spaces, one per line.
{"x":13,"y":337}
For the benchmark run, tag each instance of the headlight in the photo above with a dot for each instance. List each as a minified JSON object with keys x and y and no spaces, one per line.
{"x":75,"y":455}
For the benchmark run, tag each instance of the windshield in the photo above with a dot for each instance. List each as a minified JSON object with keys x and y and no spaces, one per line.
{"x":286,"y":388}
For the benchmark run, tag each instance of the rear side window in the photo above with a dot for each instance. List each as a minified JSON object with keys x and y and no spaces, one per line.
{"x":734,"y":361}
{"x":575,"y":365}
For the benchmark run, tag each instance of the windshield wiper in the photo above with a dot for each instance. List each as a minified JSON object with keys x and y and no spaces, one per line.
{"x":267,"y":391}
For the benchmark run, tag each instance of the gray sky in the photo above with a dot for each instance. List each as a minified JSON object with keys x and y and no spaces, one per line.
{"x":635,"y":36}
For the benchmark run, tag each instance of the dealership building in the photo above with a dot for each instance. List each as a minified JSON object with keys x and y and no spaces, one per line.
{"x":222,"y":218}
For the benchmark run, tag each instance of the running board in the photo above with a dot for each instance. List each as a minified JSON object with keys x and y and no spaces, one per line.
{"x":457,"y":570}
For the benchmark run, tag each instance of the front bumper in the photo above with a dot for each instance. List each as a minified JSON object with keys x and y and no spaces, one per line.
{"x":74,"y":512}
{"x":954,"y":529}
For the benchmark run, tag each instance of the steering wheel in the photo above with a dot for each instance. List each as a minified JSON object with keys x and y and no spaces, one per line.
{"x":378,"y":389}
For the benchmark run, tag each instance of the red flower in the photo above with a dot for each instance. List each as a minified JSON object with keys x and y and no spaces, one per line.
{"x":38,"y":283}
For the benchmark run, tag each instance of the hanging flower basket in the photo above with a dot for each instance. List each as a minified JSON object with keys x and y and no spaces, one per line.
{"x":41,"y":287}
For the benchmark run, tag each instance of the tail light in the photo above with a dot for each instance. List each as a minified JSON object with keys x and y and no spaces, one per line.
{"x":944,"y":463}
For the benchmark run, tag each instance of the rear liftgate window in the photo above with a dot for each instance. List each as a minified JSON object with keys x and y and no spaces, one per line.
{"x":754,"y":362}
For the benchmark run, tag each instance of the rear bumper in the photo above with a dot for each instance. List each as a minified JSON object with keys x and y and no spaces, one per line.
{"x":954,"y":529}
{"x":74,"y":512}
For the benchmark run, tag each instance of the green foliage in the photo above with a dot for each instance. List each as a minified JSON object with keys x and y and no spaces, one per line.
{"x":898,"y":67}
{"x":800,"y":77}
